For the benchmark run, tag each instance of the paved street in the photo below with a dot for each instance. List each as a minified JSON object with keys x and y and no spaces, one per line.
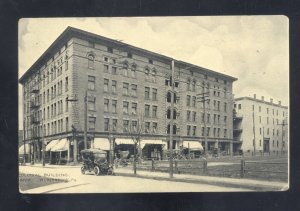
{"x":70,"y":180}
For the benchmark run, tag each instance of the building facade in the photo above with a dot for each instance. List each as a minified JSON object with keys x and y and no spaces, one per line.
{"x":127,"y":93}
{"x":260,"y":126}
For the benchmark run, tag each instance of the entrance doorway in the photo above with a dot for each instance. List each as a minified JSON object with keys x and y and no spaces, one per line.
{"x":266,"y":145}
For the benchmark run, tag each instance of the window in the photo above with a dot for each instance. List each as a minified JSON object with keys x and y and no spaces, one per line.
{"x":134,"y":108}
{"x":239,"y":106}
{"x":91,"y":82}
{"x":154,"y":94}
{"x":125,"y":89}
{"x":134,"y":126}
{"x":225,"y":119}
{"x":153,"y":75}
{"x":208,"y":131}
{"x":154,"y":111}
{"x":114,"y":124}
{"x":66,"y":65}
{"x":67,"y":105}
{"x":277,"y":143}
{"x":105,"y":68}
{"x":174,"y":129}
{"x":188,"y":100}
{"x":125,"y":107}
{"x":150,"y":61}
{"x":106,"y":105}
{"x":106,"y":124}
{"x":215,"y":117}
{"x":259,"y":109}
{"x":194,"y":130}
{"x":194,"y":101}
{"x":188,"y":130}
{"x":188,"y":115}
{"x":147,"y":73}
{"x":268,"y":131}
{"x":147,"y":93}
{"x":260,"y":143}
{"x":92,"y":123}
{"x":208,"y":118}
{"x":225,"y":133}
{"x":133,"y":71}
{"x":66,"y":84}
{"x":218,"y":105}
{"x":154,"y":127}
{"x":267,"y":110}
{"x":225,"y":107}
{"x":114,"y":70}
{"x":194,"y":116}
{"x":91,"y":61}
{"x":189,"y":85}
{"x":260,"y":131}
{"x":129,"y":55}
{"x":147,"y":127}
{"x":105,"y":87}
{"x":133,"y":90}
{"x":259,"y":119}
{"x":194,"y":86}
{"x":267,"y":120}
{"x":105,"y":59}
{"x":114,"y":106}
{"x":114,"y":86}
{"x":147,"y":110}
{"x":169,"y":97}
{"x":125,"y":125}
{"x":125,"y":69}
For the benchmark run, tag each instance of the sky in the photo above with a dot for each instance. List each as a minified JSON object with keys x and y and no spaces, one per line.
{"x":254,"y":49}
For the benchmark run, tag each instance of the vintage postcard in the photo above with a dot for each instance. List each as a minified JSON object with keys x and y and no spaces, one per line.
{"x":153,"y":104}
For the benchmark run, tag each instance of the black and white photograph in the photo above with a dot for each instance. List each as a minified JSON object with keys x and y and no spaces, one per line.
{"x":153,"y":104}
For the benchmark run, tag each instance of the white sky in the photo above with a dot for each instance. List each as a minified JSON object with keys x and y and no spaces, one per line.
{"x":253,"y":49}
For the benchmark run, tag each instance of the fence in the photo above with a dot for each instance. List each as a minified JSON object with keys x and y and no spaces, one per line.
{"x":236,"y":169}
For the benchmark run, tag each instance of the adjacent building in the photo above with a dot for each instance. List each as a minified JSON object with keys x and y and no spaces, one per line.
{"x":260,"y":126}
{"x":127,"y":93}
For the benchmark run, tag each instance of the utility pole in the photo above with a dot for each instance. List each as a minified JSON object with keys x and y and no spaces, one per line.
{"x":74,"y":130}
{"x":203,"y":98}
{"x":254,"y":141}
{"x":85,"y":120}
{"x":172,"y":121}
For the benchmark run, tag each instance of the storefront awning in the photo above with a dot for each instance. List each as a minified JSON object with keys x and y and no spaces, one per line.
{"x":101,"y":143}
{"x":62,"y":145}
{"x":124,"y":141}
{"x":195,"y":145}
{"x":51,"y":144}
{"x":21,"y":149}
{"x":144,"y":142}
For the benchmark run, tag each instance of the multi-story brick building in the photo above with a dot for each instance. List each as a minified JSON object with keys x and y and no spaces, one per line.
{"x":260,"y":126}
{"x":126,"y":87}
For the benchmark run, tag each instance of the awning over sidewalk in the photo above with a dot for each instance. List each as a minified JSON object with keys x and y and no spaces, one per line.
{"x":195,"y":145}
{"x":21,"y":149}
{"x":124,"y":141}
{"x":51,"y":144}
{"x":144,"y":142}
{"x":62,"y":145}
{"x":101,"y":143}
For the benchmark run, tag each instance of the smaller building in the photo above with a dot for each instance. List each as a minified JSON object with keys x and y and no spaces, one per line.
{"x":260,"y":126}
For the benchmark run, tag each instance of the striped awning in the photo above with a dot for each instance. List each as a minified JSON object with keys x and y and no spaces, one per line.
{"x":62,"y":145}
{"x":101,"y":143}
{"x":196,"y":145}
{"x":124,"y":141}
{"x":144,"y":142}
{"x":51,"y":144}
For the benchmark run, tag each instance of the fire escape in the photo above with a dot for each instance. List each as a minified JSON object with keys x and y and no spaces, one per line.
{"x":35,"y":119}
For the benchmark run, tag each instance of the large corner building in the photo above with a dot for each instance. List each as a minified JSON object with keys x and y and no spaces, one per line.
{"x":126,"y":88}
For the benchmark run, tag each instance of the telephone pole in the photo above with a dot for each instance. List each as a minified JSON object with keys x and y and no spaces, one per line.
{"x":172,"y":121}
{"x":203,"y":98}
{"x":85,"y":120}
{"x":282,"y":125}
{"x":74,"y":131}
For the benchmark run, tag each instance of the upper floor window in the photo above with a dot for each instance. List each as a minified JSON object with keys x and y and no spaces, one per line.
{"x":91,"y":82}
{"x":133,"y":90}
{"x":133,"y":71}
{"x":91,"y":60}
{"x":153,"y":75}
{"x":147,"y":73}
{"x":129,"y":55}
{"x":125,"y":68}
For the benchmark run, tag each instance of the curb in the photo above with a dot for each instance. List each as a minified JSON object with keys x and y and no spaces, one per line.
{"x":203,"y":181}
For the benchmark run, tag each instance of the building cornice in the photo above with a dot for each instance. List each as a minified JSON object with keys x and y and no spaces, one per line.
{"x":71,"y":32}
{"x":259,"y":101}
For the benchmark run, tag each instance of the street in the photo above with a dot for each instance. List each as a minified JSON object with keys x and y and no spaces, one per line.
{"x":65,"y":179}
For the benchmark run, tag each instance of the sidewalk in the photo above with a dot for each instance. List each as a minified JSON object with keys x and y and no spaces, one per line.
{"x":257,"y":185}
{"x":39,"y":165}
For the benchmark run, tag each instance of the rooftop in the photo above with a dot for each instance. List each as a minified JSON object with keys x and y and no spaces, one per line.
{"x":261,"y":101}
{"x":71,"y":32}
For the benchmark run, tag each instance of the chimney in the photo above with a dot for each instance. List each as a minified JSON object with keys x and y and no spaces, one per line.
{"x":262,"y":98}
{"x":271,"y":100}
{"x":254,"y":96}
{"x":279,"y":102}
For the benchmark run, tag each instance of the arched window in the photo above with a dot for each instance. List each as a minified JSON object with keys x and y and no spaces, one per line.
{"x":91,"y":60}
{"x":147,"y":73}
{"x":125,"y":68}
{"x":153,"y":75}
{"x":188,"y":84}
{"x":194,"y":86}
{"x":133,"y":70}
